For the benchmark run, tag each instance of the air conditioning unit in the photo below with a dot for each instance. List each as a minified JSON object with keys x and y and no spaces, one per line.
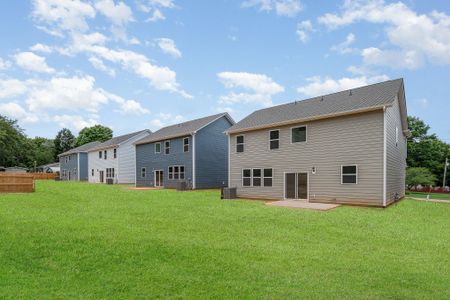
{"x":181,"y":186}
{"x":109,"y":180}
{"x":228,"y":193}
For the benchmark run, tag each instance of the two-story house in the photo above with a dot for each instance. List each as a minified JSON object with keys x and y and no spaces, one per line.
{"x":195,"y":152}
{"x":74,"y":163}
{"x":347,"y":147}
{"x":115,"y":159}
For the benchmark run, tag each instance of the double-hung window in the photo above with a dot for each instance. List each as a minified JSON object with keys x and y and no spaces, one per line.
{"x":176,"y":172}
{"x":99,"y":154}
{"x":240,"y":143}
{"x":105,"y":154}
{"x":92,"y":172}
{"x":181,"y":172}
{"x":170,"y":172}
{"x":349,"y":174}
{"x":158,"y":148}
{"x":167,"y":147}
{"x":115,"y":153}
{"x":298,"y":134}
{"x":268,"y":177}
{"x":186,"y":144}
{"x":256,"y":177}
{"x":247,"y":177}
{"x":274,"y":139}
{"x":143,"y":172}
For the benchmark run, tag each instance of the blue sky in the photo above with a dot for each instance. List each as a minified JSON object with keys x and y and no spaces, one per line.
{"x":149,"y":63}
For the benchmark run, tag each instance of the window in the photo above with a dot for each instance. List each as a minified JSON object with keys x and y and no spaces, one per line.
{"x":396,"y":136}
{"x":143,"y":172}
{"x":92,"y":172}
{"x":115,"y":153}
{"x":186,"y":144}
{"x":170,"y":172}
{"x":105,"y":154}
{"x":246,"y":177}
{"x":70,"y":158}
{"x":256,"y":177}
{"x":268,"y":177}
{"x":349,"y":174}
{"x":240,"y":143}
{"x":176,"y":172}
{"x":99,"y":154}
{"x":298,"y":134}
{"x":109,"y":172}
{"x":158,"y":148}
{"x":274,"y":139}
{"x":167,"y":147}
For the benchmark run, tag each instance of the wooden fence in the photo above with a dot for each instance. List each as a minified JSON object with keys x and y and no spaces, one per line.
{"x":44,"y":176}
{"x":16,"y":183}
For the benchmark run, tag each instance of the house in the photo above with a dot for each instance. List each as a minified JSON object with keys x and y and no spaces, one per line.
{"x":16,"y":170}
{"x":348,"y":147}
{"x":49,"y":168}
{"x":195,"y":152}
{"x":115,"y":159}
{"x":73,"y":164}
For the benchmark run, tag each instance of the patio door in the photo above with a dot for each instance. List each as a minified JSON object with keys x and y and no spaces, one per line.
{"x":296,"y":186}
{"x":102,"y":175}
{"x":159,"y":178}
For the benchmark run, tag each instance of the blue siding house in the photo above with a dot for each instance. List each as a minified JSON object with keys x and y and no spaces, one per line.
{"x":195,"y":152}
{"x":74,"y":163}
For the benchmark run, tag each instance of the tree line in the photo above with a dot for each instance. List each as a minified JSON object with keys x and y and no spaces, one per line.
{"x":17,"y":149}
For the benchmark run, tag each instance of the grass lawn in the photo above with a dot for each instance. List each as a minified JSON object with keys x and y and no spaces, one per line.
{"x":78,"y":240}
{"x":437,"y":196}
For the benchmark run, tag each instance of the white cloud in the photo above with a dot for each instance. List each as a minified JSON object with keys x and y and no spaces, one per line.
{"x":41,"y":48}
{"x":74,"y":121}
{"x":417,"y":38}
{"x":289,"y":8}
{"x":99,"y":65}
{"x":344,"y":47}
{"x":157,"y":15}
{"x":4,"y":64}
{"x":65,"y":15}
{"x":156,"y":6}
{"x":32,"y":62}
{"x":163,"y":120}
{"x":15,"y":111}
{"x":10,"y":88}
{"x":303,"y":30}
{"x":259,"y":88}
{"x":168,"y":46}
{"x":318,"y":86}
{"x":119,"y":14}
{"x":132,"y":107}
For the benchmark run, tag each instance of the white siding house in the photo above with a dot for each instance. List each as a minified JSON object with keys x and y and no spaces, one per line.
{"x":115,"y":159}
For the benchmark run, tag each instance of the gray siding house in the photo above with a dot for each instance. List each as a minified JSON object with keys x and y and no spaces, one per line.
{"x":348,"y":147}
{"x":73,"y":164}
{"x":195,"y":151}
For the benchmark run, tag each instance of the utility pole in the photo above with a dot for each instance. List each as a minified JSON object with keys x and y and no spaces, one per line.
{"x":445,"y":172}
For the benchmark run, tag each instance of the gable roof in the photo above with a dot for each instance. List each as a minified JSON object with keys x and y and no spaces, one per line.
{"x":366,"y":98}
{"x":116,"y":141}
{"x":82,"y":148}
{"x":182,"y":129}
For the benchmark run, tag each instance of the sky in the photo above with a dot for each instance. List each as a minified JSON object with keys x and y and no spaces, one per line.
{"x":141,"y":64}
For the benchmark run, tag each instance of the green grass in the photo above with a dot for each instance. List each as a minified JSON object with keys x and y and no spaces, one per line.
{"x":437,"y":196}
{"x":77,"y":240}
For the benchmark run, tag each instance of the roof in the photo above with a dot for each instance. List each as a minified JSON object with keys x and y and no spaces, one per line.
{"x":116,"y":141}
{"x":82,"y":148}
{"x":52,"y":165}
{"x":366,"y":98}
{"x":182,"y":129}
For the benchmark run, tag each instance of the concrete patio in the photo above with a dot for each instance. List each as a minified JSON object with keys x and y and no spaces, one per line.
{"x":303,"y":204}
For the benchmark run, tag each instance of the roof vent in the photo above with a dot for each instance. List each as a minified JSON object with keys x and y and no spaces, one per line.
{"x":350,"y":93}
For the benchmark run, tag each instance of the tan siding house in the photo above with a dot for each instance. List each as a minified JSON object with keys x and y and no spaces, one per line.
{"x":349,"y":156}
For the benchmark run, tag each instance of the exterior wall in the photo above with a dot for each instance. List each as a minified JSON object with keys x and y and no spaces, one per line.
{"x":126,"y":154}
{"x":331,"y":143}
{"x":146,"y":157}
{"x":100,"y":164}
{"x":395,"y":154}
{"x":211,"y":157}
{"x":83,"y":157}
{"x":71,"y":165}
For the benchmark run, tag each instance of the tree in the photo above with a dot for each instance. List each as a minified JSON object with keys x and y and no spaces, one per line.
{"x":44,"y":150}
{"x":95,"y":133}
{"x":426,"y":150}
{"x":422,"y":176}
{"x":63,"y":141}
{"x":12,"y":140}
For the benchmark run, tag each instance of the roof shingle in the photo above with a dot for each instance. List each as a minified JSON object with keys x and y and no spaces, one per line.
{"x":82,"y":148}
{"x":115,"y":141}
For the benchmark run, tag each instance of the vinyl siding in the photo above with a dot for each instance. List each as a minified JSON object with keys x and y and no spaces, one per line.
{"x":100,"y":164}
{"x":71,"y":166}
{"x":146,"y":157}
{"x":395,"y":154}
{"x":355,"y":139}
{"x":211,"y":159}
{"x":83,"y":166}
{"x":126,"y":154}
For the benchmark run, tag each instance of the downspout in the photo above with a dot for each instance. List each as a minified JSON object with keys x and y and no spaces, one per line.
{"x":193,"y":160}
{"x":384,"y":157}
{"x":229,"y":160}
{"x":78,"y":166}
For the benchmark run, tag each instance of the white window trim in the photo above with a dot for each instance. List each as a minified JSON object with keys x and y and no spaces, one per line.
{"x":144,"y":171}
{"x":296,"y":185}
{"x":306,"y":134}
{"x":115,"y":153}
{"x":188,"y":144}
{"x":168,"y":173}
{"x":279,"y":138}
{"x":251,"y":177}
{"x":173,"y":172}
{"x":263,"y":177}
{"x":170,"y":144}
{"x":342,"y":174}
{"x":158,"y":152}
{"x":260,"y":177}
{"x":236,"y":143}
